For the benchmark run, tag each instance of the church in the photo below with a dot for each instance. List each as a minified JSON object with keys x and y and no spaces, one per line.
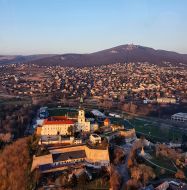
{"x":82,"y":124}
{"x":62,"y":125}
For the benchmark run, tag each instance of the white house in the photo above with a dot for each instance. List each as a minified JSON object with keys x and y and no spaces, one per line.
{"x":94,"y":138}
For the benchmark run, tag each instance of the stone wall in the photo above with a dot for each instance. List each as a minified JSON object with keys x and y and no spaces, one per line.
{"x":92,"y":154}
{"x":40,"y":160}
{"x":68,"y":149}
{"x":129,"y":133}
{"x":96,"y":155}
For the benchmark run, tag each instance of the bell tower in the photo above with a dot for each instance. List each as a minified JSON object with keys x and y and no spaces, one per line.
{"x":81,"y":115}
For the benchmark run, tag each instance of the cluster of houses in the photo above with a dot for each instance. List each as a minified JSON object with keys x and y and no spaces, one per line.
{"x":143,"y":80}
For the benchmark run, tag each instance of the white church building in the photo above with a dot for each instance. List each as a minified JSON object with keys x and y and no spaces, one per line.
{"x":82,"y":124}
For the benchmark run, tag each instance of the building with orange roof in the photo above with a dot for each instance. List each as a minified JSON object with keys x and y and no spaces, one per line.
{"x":107,"y":122}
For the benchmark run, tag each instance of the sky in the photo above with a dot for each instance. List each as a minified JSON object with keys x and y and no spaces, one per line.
{"x":83,"y":26}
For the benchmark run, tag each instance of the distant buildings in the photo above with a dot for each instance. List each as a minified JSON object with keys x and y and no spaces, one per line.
{"x":97,"y":113}
{"x":166,"y":100}
{"x":180,"y":117}
{"x":130,"y":82}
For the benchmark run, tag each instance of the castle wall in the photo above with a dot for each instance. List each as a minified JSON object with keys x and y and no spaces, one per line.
{"x":96,"y":155}
{"x":129,"y":133}
{"x":93,"y":155}
{"x":68,"y":149}
{"x":40,"y":160}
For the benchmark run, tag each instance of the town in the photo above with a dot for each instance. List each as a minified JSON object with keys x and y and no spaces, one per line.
{"x":137,"y":82}
{"x":119,"y":126}
{"x":93,"y":95}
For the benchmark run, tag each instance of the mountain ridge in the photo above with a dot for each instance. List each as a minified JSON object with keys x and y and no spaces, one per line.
{"x":122,"y":54}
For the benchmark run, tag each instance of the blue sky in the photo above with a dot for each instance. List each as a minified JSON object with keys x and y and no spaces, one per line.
{"x":82,"y":26}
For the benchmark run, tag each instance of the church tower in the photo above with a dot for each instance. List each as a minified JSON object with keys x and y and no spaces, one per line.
{"x":81,"y":115}
{"x":82,"y":123}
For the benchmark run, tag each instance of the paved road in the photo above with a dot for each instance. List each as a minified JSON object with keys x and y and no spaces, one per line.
{"x":160,"y":166}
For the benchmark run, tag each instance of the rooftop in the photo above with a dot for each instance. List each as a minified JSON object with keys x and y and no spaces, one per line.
{"x":98,"y":113}
{"x":69,"y":155}
{"x":95,"y":135}
{"x":57,"y":120}
{"x":180,"y":114}
{"x":107,"y":120}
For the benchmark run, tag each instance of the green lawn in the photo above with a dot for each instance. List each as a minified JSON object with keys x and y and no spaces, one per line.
{"x":163,"y":162}
{"x":157,"y":130}
{"x":61,"y":111}
{"x":151,"y":129}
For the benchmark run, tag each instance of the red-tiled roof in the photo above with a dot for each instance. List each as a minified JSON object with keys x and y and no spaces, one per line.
{"x":107,"y":120}
{"x":59,"y":118}
{"x":53,"y":122}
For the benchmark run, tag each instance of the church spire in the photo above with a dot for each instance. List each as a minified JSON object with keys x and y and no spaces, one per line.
{"x":81,"y":102}
{"x":81,"y":99}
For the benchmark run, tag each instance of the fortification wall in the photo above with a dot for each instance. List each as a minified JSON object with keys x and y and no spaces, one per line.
{"x":129,"y":133}
{"x":96,"y":155}
{"x":40,"y":160}
{"x":91,"y":154}
{"x":67,"y":149}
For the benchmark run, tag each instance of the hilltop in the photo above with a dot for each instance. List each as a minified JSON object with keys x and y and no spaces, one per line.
{"x":122,"y":54}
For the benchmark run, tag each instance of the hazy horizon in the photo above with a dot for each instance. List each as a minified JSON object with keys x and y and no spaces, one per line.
{"x":68,"y":26}
{"x":53,"y":53}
